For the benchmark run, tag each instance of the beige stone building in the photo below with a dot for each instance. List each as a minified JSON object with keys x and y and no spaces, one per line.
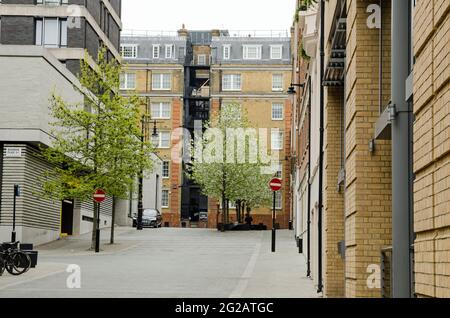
{"x":187,"y":75}
{"x":372,"y":214}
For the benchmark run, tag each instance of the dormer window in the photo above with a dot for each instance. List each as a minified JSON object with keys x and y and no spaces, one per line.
{"x":276,"y":52}
{"x":156,"y":51}
{"x":252,"y":52}
{"x":128,"y":51}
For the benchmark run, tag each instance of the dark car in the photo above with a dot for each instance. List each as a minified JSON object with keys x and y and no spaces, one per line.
{"x":150,"y":218}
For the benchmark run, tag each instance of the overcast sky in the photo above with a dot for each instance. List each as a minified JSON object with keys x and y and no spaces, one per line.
{"x":169,"y":15}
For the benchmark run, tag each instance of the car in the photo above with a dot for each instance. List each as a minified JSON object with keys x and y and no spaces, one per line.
{"x":203,"y":215}
{"x":150,"y":218}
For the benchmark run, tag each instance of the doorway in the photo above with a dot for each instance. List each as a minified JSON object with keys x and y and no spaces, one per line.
{"x":67,"y":217}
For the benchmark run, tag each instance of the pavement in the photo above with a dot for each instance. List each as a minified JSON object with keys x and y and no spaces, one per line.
{"x":167,"y":263}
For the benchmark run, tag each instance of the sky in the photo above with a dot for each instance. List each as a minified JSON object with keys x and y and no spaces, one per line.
{"x":170,"y":15}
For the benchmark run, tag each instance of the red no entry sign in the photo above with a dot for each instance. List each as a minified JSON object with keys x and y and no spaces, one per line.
{"x":275,"y":184}
{"x":99,"y":196}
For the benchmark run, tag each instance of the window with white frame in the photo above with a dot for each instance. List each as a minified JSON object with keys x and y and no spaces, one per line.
{"x":170,"y":51}
{"x":276,"y":52}
{"x":277,"y":82}
{"x":277,"y":111}
{"x":279,"y":200}
{"x":201,"y":59}
{"x":51,"y":32}
{"x":277,"y":140}
{"x":252,"y":52}
{"x":166,"y":169}
{"x":161,"y":81}
{"x":128,"y":81}
{"x":156,"y":51}
{"x":161,"y":110}
{"x":231,"y":82}
{"x":52,"y":2}
{"x":279,"y":172}
{"x":165,"y":198}
{"x":163,"y":140}
{"x":226,"y":52}
{"x":128,"y":51}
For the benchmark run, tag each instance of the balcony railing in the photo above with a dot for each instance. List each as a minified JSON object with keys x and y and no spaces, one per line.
{"x":257,"y":34}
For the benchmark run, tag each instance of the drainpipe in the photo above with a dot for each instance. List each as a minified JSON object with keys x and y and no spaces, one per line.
{"x":401,"y":154}
{"x":320,"y":209}
{"x":308,"y":262}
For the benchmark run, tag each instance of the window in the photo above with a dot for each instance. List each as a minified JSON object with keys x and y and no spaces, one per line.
{"x":231,"y":82}
{"x":166,"y":169}
{"x":226,"y":52}
{"x":52,"y":2}
{"x":170,"y":51}
{"x":156,"y":51}
{"x":165,"y":199}
{"x":128,"y":81}
{"x":51,"y":32}
{"x":160,"y":110}
{"x":279,"y":172}
{"x":277,"y":140}
{"x":277,"y":82}
{"x":276,"y":52}
{"x":252,"y":52}
{"x":128,"y":51}
{"x":163,"y":141}
{"x":278,"y":200}
{"x":202,"y":59}
{"x":161,"y":81}
{"x":277,"y":111}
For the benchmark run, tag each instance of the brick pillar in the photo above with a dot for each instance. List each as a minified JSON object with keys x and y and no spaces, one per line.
{"x":333,"y":198}
{"x":368,"y":176}
{"x":432,"y":148}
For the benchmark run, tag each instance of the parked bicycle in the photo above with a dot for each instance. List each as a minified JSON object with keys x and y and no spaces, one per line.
{"x":13,"y":260}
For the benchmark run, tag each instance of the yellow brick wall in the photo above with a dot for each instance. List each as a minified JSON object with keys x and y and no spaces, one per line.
{"x":368,"y":183}
{"x":333,"y":200}
{"x":432,"y":148}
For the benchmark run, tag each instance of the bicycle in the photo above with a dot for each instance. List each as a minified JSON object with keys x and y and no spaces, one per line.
{"x":13,"y":260}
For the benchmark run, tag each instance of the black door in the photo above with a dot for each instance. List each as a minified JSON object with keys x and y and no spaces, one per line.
{"x":67,"y":217}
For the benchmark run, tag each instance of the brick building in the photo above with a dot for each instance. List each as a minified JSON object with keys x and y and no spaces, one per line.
{"x":196,"y":72}
{"x":381,"y":187}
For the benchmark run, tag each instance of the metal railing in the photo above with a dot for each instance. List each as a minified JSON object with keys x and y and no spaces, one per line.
{"x":257,"y":34}
{"x":149,"y":33}
{"x":386,"y":272}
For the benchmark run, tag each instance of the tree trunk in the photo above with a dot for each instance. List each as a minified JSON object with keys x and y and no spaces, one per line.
{"x":224,"y":218}
{"x":113,"y":220}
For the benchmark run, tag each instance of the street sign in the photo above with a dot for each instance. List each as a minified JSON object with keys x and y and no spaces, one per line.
{"x":275,"y":184}
{"x":99,"y":196}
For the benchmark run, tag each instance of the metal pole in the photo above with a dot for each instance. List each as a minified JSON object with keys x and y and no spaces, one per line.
{"x":401,"y":153}
{"x":141,"y":181}
{"x":273,"y":224}
{"x":13,"y":234}
{"x":97,"y":230}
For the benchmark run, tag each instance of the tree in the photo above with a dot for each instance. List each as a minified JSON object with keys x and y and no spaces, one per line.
{"x":226,"y":180}
{"x":97,"y":144}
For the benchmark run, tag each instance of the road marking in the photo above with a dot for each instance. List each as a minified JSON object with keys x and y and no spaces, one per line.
{"x":243,"y":281}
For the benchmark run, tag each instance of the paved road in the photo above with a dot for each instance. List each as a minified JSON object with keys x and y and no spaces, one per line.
{"x":170,"y":263}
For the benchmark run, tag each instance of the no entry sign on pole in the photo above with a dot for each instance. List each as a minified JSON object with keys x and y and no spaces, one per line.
{"x":275,"y":184}
{"x":99,"y":196}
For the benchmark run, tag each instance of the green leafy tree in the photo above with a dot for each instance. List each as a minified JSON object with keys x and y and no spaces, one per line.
{"x":97,"y":144}
{"x":229,"y":180}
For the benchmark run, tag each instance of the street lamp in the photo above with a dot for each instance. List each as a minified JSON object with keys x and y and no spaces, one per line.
{"x":145,"y":120}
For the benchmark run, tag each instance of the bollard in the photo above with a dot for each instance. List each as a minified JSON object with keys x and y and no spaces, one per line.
{"x":273,"y":240}
{"x":97,"y":241}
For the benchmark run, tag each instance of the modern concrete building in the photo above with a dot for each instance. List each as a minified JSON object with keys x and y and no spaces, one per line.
{"x":41,"y":44}
{"x":185,"y":76}
{"x":377,"y":225}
